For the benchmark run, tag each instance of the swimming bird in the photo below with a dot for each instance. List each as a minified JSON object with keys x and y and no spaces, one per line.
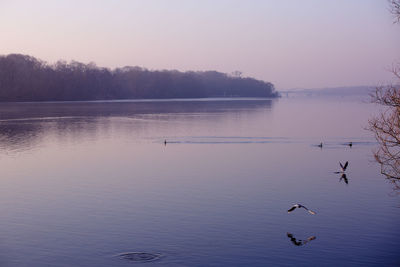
{"x":300,"y":206}
{"x":165,"y":142}
{"x":350,"y":144}
{"x":320,"y":145}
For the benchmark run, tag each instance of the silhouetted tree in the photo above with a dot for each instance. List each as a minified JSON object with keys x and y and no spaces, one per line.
{"x":386,"y":126}
{"x":237,"y":74}
{"x":395,"y":9}
{"x":24,"y":78}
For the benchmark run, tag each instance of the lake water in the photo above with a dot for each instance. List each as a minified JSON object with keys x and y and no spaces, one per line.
{"x":82,"y":183}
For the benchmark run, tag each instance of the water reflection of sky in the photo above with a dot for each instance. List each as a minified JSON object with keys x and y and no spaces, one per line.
{"x":244,"y":121}
{"x":84,"y":182}
{"x":22,"y":124}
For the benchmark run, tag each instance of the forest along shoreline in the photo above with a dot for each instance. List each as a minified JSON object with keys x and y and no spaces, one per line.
{"x":25,"y":78}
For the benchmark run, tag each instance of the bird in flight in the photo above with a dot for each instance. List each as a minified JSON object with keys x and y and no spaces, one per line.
{"x":343,"y":167}
{"x":300,"y":206}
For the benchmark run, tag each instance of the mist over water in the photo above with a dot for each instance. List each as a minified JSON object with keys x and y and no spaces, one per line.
{"x":84,"y":183}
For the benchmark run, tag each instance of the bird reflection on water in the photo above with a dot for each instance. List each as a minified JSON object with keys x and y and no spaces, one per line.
{"x":344,"y":178}
{"x":299,"y":242}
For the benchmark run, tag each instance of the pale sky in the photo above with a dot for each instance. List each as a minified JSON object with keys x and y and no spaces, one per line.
{"x":291,"y":43}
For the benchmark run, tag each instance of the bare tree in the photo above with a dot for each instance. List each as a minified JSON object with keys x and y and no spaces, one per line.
{"x":386,"y":126}
{"x":237,"y":74}
{"x":395,"y":9}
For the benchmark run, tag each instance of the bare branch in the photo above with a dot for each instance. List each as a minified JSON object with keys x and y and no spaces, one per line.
{"x":395,"y":9}
{"x":386,"y":128}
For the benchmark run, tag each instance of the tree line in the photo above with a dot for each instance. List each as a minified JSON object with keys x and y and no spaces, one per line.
{"x":25,"y":78}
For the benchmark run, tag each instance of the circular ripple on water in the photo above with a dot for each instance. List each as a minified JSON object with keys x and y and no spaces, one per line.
{"x":139,"y":256}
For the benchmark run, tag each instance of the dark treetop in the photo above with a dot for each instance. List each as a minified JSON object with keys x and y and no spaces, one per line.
{"x":25,"y":78}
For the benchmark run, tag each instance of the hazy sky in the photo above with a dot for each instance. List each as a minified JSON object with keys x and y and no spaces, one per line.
{"x":291,"y":43}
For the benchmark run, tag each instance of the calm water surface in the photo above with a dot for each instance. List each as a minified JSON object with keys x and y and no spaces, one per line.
{"x":82,"y":183}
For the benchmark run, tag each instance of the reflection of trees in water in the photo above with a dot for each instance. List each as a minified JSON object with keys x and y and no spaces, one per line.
{"x":125,"y":108}
{"x":19,"y":136}
{"x":24,"y":125}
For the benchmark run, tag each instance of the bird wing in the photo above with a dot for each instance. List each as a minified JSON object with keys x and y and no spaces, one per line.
{"x":297,"y":243}
{"x":311,"y":238}
{"x":344,"y":177}
{"x":345,"y":165}
{"x":291,"y":209}
{"x":308,"y":239}
{"x":310,"y":211}
{"x":341,"y":166}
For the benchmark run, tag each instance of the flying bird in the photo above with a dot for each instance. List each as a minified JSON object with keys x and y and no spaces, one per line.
{"x":300,"y":206}
{"x":343,"y":167}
